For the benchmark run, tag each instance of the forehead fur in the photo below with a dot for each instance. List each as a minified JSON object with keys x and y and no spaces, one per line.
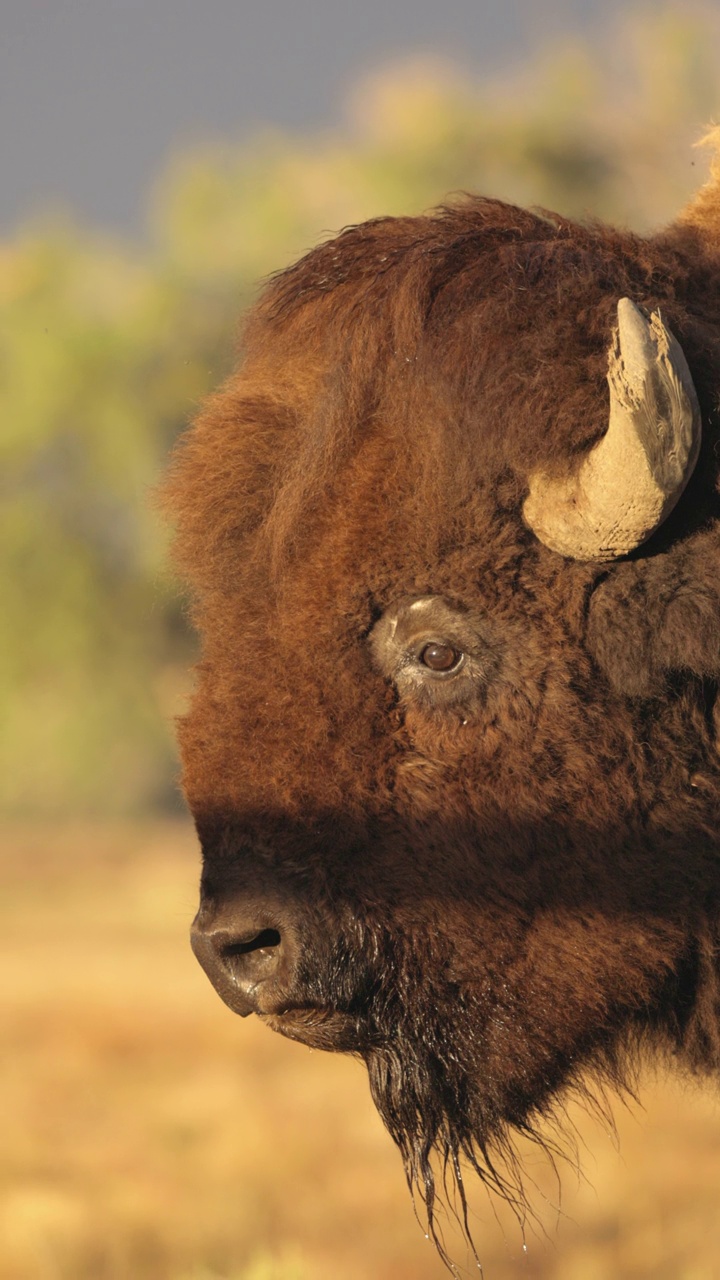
{"x":442,"y":357}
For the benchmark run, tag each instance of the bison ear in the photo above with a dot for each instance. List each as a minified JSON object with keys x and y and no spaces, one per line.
{"x":652,"y":617}
{"x":631,"y":480}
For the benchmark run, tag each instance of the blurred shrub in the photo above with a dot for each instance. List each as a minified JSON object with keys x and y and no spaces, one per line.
{"x":101,"y":355}
{"x":105,"y":350}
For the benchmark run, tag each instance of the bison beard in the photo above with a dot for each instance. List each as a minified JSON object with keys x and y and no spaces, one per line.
{"x":422,"y":1087}
{"x":453,"y":534}
{"x":426,"y":1099}
{"x":423,"y":1083}
{"x":439,"y":1106}
{"x":424,"y":1074}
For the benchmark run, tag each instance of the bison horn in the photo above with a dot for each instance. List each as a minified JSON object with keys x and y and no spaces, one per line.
{"x":630,"y":481}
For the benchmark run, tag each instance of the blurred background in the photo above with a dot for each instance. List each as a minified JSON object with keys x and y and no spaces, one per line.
{"x":158,"y":160}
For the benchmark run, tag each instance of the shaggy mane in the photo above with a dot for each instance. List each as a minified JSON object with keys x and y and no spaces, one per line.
{"x":327,"y":352}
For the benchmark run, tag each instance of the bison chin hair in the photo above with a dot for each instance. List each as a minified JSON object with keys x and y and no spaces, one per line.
{"x":428,"y":1084}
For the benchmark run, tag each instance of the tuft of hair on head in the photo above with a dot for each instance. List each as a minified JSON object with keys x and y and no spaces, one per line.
{"x":703,"y":211}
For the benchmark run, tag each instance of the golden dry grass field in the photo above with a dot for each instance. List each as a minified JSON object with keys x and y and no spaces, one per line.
{"x":148,"y":1134}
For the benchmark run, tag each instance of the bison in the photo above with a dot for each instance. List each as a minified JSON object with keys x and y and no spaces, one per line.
{"x":452,"y":532}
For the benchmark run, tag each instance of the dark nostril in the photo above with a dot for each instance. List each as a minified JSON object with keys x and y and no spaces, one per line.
{"x":264,"y":941}
{"x":249,"y":966}
{"x":250,"y":961}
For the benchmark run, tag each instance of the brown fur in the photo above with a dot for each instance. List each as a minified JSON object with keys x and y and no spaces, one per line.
{"x":500,"y":903}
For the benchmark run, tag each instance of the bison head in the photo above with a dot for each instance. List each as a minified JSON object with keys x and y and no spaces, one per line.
{"x":452,"y":753}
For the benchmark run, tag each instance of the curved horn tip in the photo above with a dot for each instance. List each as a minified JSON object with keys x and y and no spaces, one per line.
{"x":634,"y":334}
{"x":630,"y":481}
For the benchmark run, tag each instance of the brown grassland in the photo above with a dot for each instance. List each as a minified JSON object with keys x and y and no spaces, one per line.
{"x":149,"y":1134}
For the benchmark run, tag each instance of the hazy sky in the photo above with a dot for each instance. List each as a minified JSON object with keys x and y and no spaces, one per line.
{"x":94,"y":94}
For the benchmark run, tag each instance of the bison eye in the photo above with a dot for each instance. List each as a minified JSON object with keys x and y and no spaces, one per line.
{"x":440,"y":657}
{"x":437,"y":654}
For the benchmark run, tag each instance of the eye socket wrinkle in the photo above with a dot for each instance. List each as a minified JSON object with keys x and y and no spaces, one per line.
{"x":433,"y":651}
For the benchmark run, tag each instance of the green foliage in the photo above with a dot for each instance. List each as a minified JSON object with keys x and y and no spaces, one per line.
{"x":92,"y":391}
{"x":105,"y":350}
